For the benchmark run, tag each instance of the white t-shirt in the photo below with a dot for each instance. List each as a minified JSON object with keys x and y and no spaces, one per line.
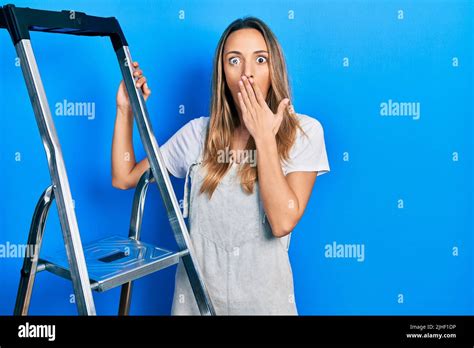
{"x":307,"y":154}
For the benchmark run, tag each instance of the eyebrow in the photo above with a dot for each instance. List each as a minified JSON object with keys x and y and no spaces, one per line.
{"x":237,"y":52}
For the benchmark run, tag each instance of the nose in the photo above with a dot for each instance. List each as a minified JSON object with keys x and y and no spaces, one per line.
{"x":248,"y":71}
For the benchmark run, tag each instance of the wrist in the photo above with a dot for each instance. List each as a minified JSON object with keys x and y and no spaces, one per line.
{"x":265,"y":139}
{"x":124,"y":110}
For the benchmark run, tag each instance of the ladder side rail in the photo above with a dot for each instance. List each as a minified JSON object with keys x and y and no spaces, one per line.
{"x":160,"y":173}
{"x":136,"y":219}
{"x":30,"y":262}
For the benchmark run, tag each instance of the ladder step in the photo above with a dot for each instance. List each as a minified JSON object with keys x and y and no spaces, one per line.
{"x":114,"y":261}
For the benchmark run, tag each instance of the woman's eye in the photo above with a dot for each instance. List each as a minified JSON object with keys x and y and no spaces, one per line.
{"x":236,"y":60}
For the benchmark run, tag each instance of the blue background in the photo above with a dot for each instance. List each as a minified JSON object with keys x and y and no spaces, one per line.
{"x":375,"y":161}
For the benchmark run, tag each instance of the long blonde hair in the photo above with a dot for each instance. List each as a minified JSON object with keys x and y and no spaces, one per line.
{"x":224,"y":118}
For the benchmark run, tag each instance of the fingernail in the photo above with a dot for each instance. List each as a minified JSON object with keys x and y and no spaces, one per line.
{"x":244,"y":78}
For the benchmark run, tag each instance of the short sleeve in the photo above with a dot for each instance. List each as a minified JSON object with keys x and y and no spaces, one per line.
{"x":309,"y":151}
{"x":184,"y":146}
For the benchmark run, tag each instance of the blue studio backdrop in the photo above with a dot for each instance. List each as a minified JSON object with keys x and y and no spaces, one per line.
{"x":389,"y":231}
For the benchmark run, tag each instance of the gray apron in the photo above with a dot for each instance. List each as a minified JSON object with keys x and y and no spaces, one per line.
{"x":245,"y":268}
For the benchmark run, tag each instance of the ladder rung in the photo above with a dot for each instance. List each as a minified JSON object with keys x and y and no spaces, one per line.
{"x":114,"y":261}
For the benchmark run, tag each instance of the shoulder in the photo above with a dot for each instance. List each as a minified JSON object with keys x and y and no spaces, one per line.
{"x":200,"y":126}
{"x":200,"y":122}
{"x":313,"y":131}
{"x":192,"y":134}
{"x":185,"y":146}
{"x":197,"y":126}
{"x":308,"y":152}
{"x":309,"y":124}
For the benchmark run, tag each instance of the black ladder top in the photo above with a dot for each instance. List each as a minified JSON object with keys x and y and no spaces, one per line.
{"x":21,"y":20}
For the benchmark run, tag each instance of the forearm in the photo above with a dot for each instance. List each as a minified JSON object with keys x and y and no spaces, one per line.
{"x":123,"y":156}
{"x":279,"y":200}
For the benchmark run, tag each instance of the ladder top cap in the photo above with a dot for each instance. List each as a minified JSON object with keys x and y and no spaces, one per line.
{"x":21,"y":20}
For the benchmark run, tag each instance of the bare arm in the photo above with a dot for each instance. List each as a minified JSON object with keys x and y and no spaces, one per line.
{"x":284,"y":197}
{"x":125,"y":170}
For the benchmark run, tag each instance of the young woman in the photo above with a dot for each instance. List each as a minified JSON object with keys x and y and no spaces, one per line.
{"x":242,"y":208}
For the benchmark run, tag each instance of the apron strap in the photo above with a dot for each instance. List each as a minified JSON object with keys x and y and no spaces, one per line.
{"x":262,"y":210}
{"x":186,"y":190}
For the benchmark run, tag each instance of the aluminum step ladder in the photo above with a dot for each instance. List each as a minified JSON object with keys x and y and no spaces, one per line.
{"x":114,"y":260}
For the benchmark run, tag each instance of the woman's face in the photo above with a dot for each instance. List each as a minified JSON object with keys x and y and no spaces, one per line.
{"x":246,"y":53}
